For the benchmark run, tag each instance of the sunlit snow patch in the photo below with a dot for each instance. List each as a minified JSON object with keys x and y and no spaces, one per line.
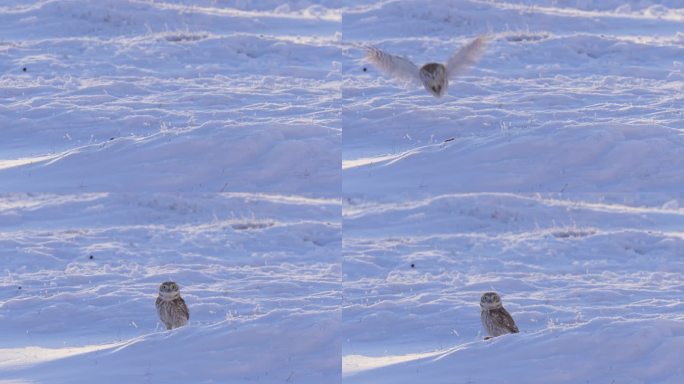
{"x":20,"y":357}
{"x":11,"y":163}
{"x":352,"y":364}
{"x":347,"y":164}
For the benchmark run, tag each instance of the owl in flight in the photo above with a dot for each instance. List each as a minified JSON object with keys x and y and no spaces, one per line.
{"x":434,"y":76}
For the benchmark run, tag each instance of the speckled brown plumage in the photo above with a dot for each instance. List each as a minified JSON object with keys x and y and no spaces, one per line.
{"x":171,"y":307}
{"x":495,"y":318}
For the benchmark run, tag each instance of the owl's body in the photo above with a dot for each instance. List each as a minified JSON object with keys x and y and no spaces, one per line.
{"x":495,"y":318}
{"x":433,"y":76}
{"x":171,"y":307}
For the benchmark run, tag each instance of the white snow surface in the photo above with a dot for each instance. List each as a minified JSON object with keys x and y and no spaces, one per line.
{"x":551,"y":173}
{"x":193,"y":96}
{"x":493,"y":187}
{"x":329,"y":224}
{"x":260,"y":275}
{"x":594,"y":283}
{"x":580,"y":96}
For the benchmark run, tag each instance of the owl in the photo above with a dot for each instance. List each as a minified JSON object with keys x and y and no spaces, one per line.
{"x":171,"y":307}
{"x":434,"y":76}
{"x":495,"y":318}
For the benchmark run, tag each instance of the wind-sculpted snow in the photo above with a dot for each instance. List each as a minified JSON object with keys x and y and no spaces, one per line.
{"x":594,"y":351}
{"x":165,"y":96}
{"x":81,"y":272}
{"x":569,"y":96}
{"x":594,"y":283}
{"x":325,"y":222}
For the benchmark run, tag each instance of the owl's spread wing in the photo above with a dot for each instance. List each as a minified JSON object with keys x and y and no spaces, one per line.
{"x":505,"y":319}
{"x":466,"y":57}
{"x":394,"y":66}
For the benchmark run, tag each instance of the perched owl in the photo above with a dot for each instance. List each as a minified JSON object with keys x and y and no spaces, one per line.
{"x":434,"y":76}
{"x":495,"y":319}
{"x":171,"y":307}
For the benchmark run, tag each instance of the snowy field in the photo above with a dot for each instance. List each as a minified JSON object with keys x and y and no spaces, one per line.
{"x":133,"y":95}
{"x":594,"y":282}
{"x":571,"y":95}
{"x":80,"y":274}
{"x":325,"y":222}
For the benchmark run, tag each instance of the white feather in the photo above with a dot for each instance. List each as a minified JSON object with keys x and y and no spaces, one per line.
{"x":395,"y":66}
{"x":466,"y":57}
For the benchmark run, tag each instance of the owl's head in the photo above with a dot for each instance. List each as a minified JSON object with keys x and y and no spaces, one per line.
{"x":169,"y":290}
{"x":434,"y":78}
{"x":490,"y":300}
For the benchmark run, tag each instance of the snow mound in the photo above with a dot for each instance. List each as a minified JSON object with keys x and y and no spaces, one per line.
{"x":301,"y":349}
{"x":608,"y":350}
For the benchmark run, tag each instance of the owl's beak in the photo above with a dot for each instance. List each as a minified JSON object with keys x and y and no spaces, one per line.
{"x":437,"y":91}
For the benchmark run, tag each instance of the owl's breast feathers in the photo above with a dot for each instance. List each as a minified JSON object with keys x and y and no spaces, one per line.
{"x":178,"y":304}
